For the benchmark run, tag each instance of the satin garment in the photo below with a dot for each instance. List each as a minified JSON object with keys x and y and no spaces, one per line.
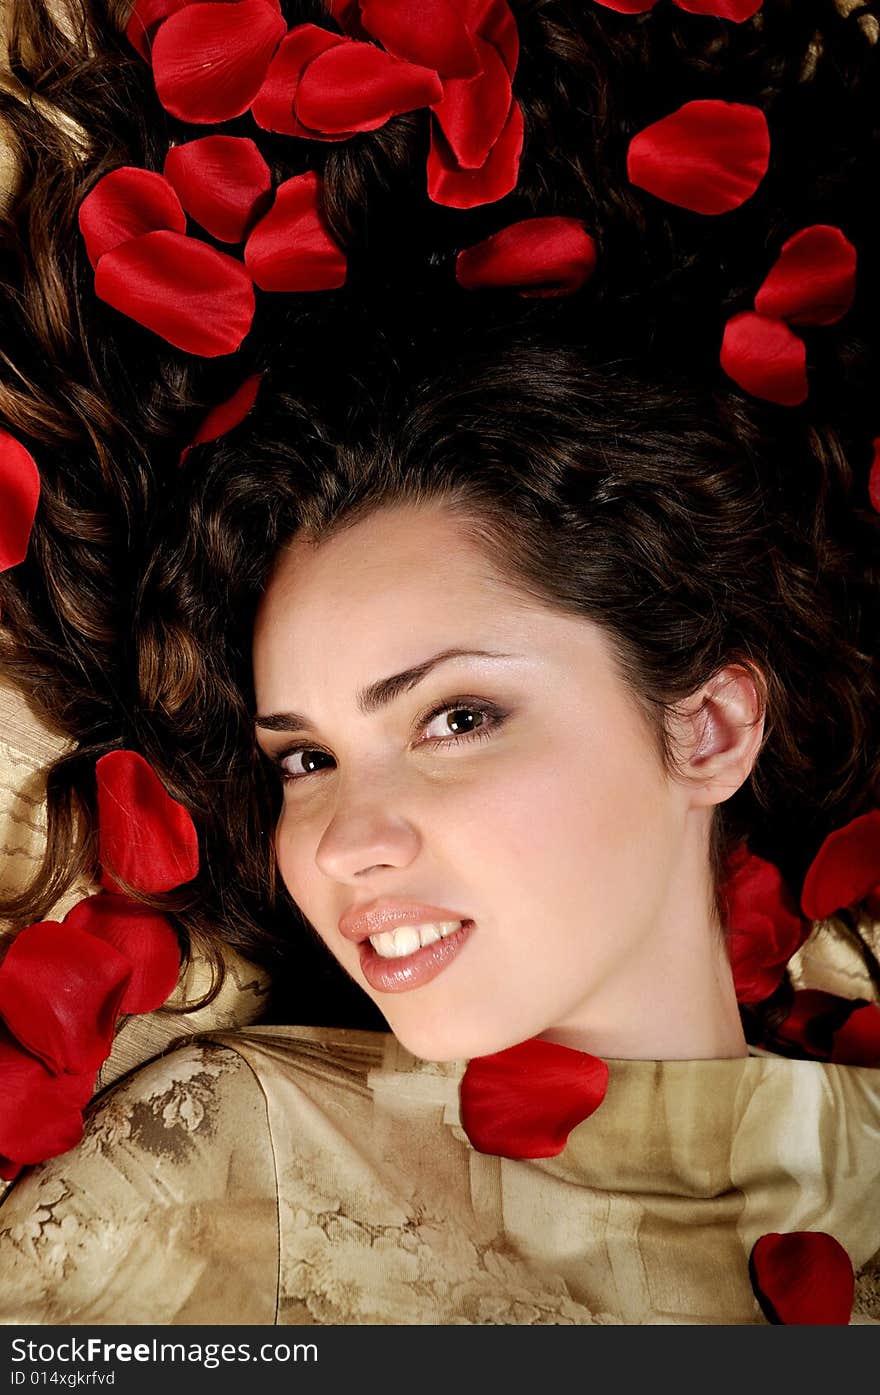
{"x":308,"y":1175}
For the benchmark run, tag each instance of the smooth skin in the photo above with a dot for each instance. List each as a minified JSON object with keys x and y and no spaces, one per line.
{"x":550,"y":821}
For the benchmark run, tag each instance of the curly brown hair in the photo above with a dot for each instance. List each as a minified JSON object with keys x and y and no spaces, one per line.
{"x":590,"y":443}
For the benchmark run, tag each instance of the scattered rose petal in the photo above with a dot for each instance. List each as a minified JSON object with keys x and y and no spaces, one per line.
{"x":857,"y":1042}
{"x":538,"y":257}
{"x":272,"y":107}
{"x":845,"y":869}
{"x":813,"y":1020}
{"x":19,"y":496}
{"x":874,"y":477}
{"x":708,"y":156}
{"x":763,"y":926}
{"x":493,"y":20}
{"x":142,"y":936}
{"x":226,"y":415}
{"x":147,"y":15}
{"x":628,"y":7}
{"x":523,"y":1102}
{"x":736,"y":10}
{"x":347,"y":14}
{"x":41,"y":1113}
{"x":292,"y":248}
{"x":60,"y":991}
{"x":454,"y":187}
{"x":804,"y":1278}
{"x":145,"y":19}
{"x":222,"y":181}
{"x":210,"y":60}
{"x":765,"y":358}
{"x":358,"y":87}
{"x":472,"y":112}
{"x":432,"y":34}
{"x":195,"y":297}
{"x":813,"y":281}
{"x":146,"y":837}
{"x":125,"y":204}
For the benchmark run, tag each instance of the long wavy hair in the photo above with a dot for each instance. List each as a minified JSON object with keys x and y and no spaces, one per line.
{"x":591,"y":443}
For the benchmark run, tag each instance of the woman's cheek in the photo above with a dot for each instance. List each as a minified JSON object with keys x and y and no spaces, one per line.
{"x":291,"y":854}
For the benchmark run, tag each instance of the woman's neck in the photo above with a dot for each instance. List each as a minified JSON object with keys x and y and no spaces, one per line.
{"x":675,"y":998}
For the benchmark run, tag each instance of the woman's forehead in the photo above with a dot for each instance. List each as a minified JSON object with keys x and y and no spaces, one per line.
{"x":374,"y":601}
{"x":398,"y":566}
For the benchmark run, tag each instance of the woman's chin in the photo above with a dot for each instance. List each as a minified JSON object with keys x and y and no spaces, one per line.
{"x":458,"y":1043}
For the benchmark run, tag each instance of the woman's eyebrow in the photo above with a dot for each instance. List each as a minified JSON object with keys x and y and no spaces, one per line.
{"x":385,"y":690}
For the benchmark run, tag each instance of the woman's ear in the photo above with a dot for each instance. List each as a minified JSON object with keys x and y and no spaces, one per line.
{"x":718,"y":732}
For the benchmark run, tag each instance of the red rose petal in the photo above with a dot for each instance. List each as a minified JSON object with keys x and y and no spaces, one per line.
{"x":765,"y":358}
{"x":874,"y":477}
{"x":431,"y":34}
{"x":473,"y":112}
{"x":813,"y":1021}
{"x":453,"y":187}
{"x":272,"y":107}
{"x":857,"y":1042}
{"x":147,"y":15}
{"x":226,"y":415}
{"x":145,"y":19}
{"x":60,"y":995}
{"x":538,"y":257}
{"x":813,"y":281}
{"x":523,"y":1102}
{"x":292,"y":248}
{"x":195,"y":297}
{"x":146,"y":837}
{"x":222,"y":181}
{"x":628,"y":7}
{"x":125,"y":204}
{"x":210,"y":60}
{"x":347,"y":14}
{"x":40,"y":1113}
{"x":764,"y":928}
{"x":736,"y":10}
{"x":19,"y":496}
{"x":845,"y":869}
{"x":357,"y":87}
{"x":493,"y":20}
{"x":708,"y":156}
{"x":142,"y":936}
{"x":804,"y":1278}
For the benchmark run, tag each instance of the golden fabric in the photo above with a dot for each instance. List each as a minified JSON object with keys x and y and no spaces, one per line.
{"x":308,"y":1175}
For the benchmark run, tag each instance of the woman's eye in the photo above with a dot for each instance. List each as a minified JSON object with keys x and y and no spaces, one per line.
{"x":458,"y":721}
{"x":302,"y":762}
{"x":453,"y":723}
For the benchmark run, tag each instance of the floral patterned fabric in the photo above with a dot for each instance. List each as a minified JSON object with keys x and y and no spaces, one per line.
{"x":27,"y":748}
{"x":284,"y":1175}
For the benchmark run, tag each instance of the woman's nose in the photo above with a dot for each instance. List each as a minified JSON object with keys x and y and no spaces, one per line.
{"x":366,"y":831}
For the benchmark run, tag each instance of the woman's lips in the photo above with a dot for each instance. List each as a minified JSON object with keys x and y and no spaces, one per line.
{"x":412,"y":970}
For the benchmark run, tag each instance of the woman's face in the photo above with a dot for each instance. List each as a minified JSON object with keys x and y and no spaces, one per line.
{"x":516,"y":787}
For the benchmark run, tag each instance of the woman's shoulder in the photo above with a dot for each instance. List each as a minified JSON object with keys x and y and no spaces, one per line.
{"x":158,"y":1209}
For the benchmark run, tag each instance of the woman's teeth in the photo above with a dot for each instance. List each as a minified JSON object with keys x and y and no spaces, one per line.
{"x":406,"y":939}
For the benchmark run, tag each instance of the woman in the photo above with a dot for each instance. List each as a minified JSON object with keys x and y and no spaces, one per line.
{"x":527,"y":633}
